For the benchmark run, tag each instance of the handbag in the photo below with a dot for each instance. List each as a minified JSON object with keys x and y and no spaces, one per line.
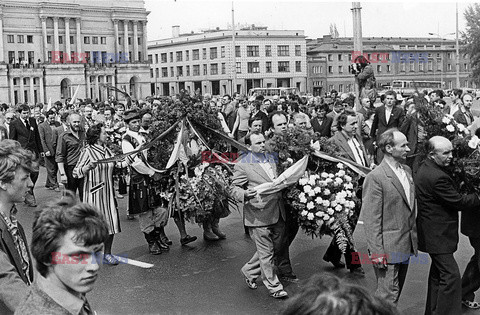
{"x":122,"y":185}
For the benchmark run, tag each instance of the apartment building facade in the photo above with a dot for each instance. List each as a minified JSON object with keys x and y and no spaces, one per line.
{"x":210,"y":62}
{"x":420,"y":59}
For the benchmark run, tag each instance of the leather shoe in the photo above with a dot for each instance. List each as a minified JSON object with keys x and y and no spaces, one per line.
{"x":210,"y":236}
{"x":187,"y":239}
{"x":337,"y":264}
{"x":154,"y":249}
{"x":358,"y":271}
{"x":166,"y":240}
{"x":164,"y":247}
{"x":291,"y":277}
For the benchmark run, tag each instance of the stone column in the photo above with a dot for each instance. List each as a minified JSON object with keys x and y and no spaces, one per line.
{"x":56,"y":46}
{"x":144,"y":42}
{"x":97,"y":94}
{"x":21,"y":93}
{"x":12,"y":94}
{"x":44,"y":33}
{"x":79,"y":36}
{"x":115,"y":25}
{"x":125,"y":39}
{"x":40,"y":88}
{"x":67,"y":37}
{"x":32,"y":93}
{"x":2,"y":56}
{"x":88,"y":88}
{"x":135,"y":41}
{"x":105,"y":93}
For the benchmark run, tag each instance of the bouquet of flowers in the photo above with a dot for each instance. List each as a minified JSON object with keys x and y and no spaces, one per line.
{"x":326,"y":204}
{"x":205,"y":195}
{"x":466,"y":155}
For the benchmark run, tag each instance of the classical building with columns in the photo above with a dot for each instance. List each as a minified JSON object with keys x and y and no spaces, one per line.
{"x":208,"y":61}
{"x":51,"y":48}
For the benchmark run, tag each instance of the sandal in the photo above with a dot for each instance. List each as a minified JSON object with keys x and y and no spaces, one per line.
{"x":471,"y":304}
{"x":109,"y":259}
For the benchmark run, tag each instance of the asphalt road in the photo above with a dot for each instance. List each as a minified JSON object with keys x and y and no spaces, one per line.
{"x":204,"y":277}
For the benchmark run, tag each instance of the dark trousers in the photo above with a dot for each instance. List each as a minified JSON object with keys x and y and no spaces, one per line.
{"x":52,"y":169}
{"x":471,"y":276}
{"x":282,"y":253}
{"x":333,"y":254}
{"x":444,"y":295}
{"x":74,"y":184}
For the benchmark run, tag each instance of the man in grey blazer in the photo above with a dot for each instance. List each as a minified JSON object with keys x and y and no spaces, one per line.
{"x":389,"y":207}
{"x":264,"y":215}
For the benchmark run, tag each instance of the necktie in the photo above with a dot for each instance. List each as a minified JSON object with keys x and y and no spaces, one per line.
{"x":359,"y":152}
{"x":27,"y":124}
{"x":87,"y":309}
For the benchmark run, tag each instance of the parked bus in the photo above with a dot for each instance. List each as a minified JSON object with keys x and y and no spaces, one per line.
{"x":408,"y":87}
{"x":269,"y":93}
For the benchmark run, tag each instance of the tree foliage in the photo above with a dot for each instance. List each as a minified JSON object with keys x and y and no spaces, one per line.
{"x":471,"y":39}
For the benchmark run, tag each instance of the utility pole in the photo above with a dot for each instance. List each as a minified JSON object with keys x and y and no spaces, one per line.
{"x":457,"y":61}
{"x":234,"y":59}
{"x":357,"y":42}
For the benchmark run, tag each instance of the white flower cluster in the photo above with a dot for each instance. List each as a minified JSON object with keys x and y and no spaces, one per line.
{"x":326,"y":195}
{"x":450,"y":122}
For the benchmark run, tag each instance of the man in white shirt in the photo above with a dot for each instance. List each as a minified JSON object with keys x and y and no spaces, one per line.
{"x":351,"y":147}
{"x":389,"y":210}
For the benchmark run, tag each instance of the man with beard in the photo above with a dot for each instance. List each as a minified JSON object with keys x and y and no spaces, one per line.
{"x":438,"y":205}
{"x":69,"y":146}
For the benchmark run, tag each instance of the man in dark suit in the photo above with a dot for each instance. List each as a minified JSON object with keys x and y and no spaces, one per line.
{"x":351,"y":147}
{"x":25,"y":130}
{"x":414,"y":129}
{"x":386,"y":116}
{"x":437,"y":223}
{"x":389,"y":209}
{"x":322,"y":123}
{"x":45,"y":130}
{"x":263,"y":215}
{"x":16,"y":265}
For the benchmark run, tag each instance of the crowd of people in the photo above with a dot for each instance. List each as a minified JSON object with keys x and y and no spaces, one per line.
{"x":408,"y":204}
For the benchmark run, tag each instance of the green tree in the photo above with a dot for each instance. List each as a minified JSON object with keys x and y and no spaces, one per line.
{"x":471,"y":39}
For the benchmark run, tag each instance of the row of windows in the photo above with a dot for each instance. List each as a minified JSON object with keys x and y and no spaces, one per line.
{"x":252,"y":51}
{"x":378,"y":57}
{"x":91,"y":57}
{"x":20,"y":39}
{"x":252,"y":67}
{"x":403,"y":66}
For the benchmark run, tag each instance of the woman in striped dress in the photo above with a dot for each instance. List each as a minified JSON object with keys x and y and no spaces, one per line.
{"x":98,"y":186}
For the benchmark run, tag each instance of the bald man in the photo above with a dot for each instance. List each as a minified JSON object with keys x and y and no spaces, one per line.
{"x":437,"y":223}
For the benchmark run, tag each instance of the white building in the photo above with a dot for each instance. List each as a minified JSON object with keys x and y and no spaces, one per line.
{"x":205,"y":61}
{"x":51,"y":47}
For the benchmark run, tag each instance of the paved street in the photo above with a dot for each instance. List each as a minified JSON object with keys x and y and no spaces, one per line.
{"x":204,"y":278}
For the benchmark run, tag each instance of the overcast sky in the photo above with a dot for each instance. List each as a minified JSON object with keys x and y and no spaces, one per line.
{"x":410,"y":19}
